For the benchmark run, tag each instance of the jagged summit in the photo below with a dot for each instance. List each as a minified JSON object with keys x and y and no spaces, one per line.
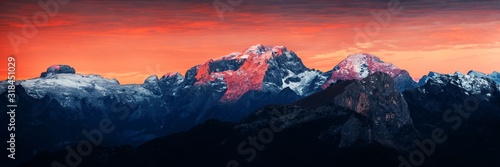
{"x":495,"y":75}
{"x":471,"y":76}
{"x":473,"y":82}
{"x":254,"y":50}
{"x":58,"y":69}
{"x":171,"y":74}
{"x":361,"y":65}
{"x":247,"y":71}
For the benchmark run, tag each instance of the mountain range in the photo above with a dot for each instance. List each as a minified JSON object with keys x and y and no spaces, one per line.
{"x":363,"y":105}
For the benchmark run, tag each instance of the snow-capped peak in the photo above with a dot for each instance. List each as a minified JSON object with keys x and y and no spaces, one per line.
{"x":476,"y":73}
{"x":171,"y":74}
{"x":257,"y":49}
{"x":495,"y":76}
{"x":471,"y":74}
{"x":232,"y":56}
{"x":245,"y":71}
{"x":359,"y":66}
{"x":151,"y":79}
{"x":473,"y":82}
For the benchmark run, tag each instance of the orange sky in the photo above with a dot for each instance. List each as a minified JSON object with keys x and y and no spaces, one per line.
{"x":135,"y":39}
